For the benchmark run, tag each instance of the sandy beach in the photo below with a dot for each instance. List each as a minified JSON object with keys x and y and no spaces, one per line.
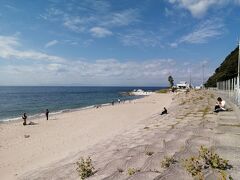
{"x":125,"y":137}
{"x":66,"y":134}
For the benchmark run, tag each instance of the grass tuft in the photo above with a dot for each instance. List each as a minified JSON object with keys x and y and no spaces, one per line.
{"x":205,"y":160}
{"x":132,"y":171}
{"x":85,"y":168}
{"x":167,"y":161}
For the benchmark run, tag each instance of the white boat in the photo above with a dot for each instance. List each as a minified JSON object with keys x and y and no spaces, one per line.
{"x":140,"y":92}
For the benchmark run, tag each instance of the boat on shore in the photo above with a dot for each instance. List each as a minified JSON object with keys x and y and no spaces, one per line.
{"x":140,"y":92}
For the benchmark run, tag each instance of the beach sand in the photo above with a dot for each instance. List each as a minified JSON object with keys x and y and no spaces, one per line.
{"x":26,"y":149}
{"x":131,"y":137}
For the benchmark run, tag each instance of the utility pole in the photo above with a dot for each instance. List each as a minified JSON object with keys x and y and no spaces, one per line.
{"x":190,"y":76}
{"x":203,"y":75}
{"x":238,"y":90}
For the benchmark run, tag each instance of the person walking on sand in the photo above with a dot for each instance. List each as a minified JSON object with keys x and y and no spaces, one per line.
{"x":47,"y":112}
{"x":24,"y":117}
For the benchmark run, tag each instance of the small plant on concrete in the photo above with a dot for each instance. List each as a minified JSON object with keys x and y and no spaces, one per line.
{"x":120,"y":170}
{"x":149,"y":153}
{"x":168,"y":161}
{"x":182,"y":103}
{"x":213,"y":160}
{"x":212,"y":96}
{"x":194,"y":166}
{"x":85,"y":168}
{"x":206,"y":110}
{"x":205,"y":160}
{"x":132,"y":171}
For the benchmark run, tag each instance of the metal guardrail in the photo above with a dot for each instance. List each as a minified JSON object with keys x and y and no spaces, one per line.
{"x":230,"y":88}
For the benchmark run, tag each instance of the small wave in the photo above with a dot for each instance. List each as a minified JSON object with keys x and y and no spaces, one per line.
{"x":10,"y":119}
{"x":41,"y":115}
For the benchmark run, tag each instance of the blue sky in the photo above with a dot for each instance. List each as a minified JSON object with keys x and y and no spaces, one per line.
{"x":125,"y":42}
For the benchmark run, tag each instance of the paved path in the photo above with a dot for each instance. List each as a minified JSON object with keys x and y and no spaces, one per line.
{"x":189,"y":125}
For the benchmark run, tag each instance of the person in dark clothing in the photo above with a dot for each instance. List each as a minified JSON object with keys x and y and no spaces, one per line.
{"x":164,"y":111}
{"x":47,"y":112}
{"x":24,"y":117}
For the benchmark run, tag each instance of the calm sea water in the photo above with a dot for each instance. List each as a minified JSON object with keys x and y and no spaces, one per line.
{"x":14,"y":101}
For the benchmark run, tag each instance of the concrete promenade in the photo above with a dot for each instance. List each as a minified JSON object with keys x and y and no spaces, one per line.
{"x":189,"y":125}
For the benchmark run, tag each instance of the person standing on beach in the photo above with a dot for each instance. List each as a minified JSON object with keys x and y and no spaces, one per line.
{"x":24,"y":117}
{"x":47,"y":112}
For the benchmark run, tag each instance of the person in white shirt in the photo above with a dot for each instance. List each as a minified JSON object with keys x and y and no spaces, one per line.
{"x":220,"y":105}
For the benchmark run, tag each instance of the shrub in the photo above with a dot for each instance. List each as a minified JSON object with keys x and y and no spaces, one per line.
{"x":85,"y":168}
{"x":213,"y":160}
{"x":206,"y":159}
{"x":194,"y":166}
{"x":162,"y":91}
{"x":168,"y":161}
{"x":132,"y":171}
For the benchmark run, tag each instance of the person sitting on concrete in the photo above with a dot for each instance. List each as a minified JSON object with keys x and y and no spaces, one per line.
{"x":164,"y":111}
{"x":220,"y":105}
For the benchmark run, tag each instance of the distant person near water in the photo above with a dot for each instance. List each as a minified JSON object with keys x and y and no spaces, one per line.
{"x":164,"y":111}
{"x":47,"y":112}
{"x":24,"y":117}
{"x":119,"y":101}
{"x":220,"y":105}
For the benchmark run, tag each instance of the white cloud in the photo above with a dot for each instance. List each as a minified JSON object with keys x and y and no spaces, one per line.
{"x":76,"y":23}
{"x":9,"y":49}
{"x":12,"y":8}
{"x":173,"y":44}
{"x":198,"y":8}
{"x":168,"y":12}
{"x":54,"y":70}
{"x":202,"y":33}
{"x":51,"y":43}
{"x":140,"y":38}
{"x":122,"y":18}
{"x":237,"y":1}
{"x":85,"y":15}
{"x":100,"y":32}
{"x":104,"y":71}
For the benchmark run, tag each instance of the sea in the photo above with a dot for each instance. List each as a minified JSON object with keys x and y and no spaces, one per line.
{"x":34,"y":100}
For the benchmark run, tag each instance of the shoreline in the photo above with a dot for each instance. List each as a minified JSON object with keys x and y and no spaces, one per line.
{"x":42,"y":115}
{"x":145,"y":144}
{"x":70,"y":132}
{"x":35,"y":100}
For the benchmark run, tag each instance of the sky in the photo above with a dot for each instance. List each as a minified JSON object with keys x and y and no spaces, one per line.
{"x":114,"y":43}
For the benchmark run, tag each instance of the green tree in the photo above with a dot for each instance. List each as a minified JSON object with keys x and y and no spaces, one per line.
{"x":227,"y":70}
{"x":170,"y":80}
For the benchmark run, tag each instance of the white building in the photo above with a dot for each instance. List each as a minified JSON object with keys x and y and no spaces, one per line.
{"x":183,"y":85}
